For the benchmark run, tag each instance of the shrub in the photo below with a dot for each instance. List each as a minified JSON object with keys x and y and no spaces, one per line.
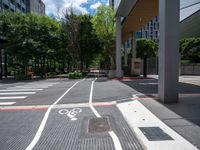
{"x":22,"y":77}
{"x":75,"y":75}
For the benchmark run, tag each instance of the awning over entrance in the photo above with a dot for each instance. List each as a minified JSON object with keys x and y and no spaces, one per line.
{"x":141,"y":13}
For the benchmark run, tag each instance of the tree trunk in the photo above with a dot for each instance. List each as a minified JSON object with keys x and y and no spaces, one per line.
{"x":5,"y":66}
{"x":63,"y":66}
{"x":35,"y":62}
{"x":68,"y":65}
{"x":24,"y":70}
{"x":1,"y":67}
{"x":50,"y":64}
{"x":54,"y":64}
{"x":145,"y":67}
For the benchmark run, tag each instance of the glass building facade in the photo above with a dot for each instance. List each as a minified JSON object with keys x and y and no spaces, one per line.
{"x":24,"y":6}
{"x":151,"y":30}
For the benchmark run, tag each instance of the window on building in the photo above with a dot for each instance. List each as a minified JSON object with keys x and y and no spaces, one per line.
{"x":18,"y":6}
{"x":12,"y":1}
{"x":23,"y":9}
{"x":156,"y":18}
{"x":151,"y":22}
{"x":147,"y":26}
{"x":156,"y":34}
{"x":5,"y":6}
{"x":146,"y":34}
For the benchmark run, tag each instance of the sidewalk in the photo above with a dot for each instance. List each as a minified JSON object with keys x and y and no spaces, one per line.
{"x":183,"y":117}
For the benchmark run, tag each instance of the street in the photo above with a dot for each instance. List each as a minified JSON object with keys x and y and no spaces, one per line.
{"x":95,"y":114}
{"x":23,"y":125}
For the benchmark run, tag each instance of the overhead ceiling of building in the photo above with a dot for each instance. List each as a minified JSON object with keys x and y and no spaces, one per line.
{"x":142,"y":12}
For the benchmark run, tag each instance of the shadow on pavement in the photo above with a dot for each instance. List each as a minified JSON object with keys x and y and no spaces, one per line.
{"x":189,"y":98}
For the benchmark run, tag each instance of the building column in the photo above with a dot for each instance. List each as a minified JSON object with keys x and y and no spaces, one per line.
{"x":168,"y":50}
{"x":118,"y":47}
{"x":125,"y":54}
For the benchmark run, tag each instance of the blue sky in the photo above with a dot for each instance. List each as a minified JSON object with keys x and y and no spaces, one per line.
{"x":55,"y":7}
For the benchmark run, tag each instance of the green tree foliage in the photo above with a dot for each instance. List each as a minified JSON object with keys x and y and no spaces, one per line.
{"x":30,"y":37}
{"x":190,"y":49}
{"x":49,"y":45}
{"x":83,"y":43}
{"x":145,"y":49}
{"x":71,"y":26}
{"x":104,"y":25}
{"x":89,"y":43}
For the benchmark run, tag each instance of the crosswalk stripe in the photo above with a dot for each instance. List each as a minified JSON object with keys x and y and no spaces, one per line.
{"x":7,"y":103}
{"x":18,"y":93}
{"x":14,"y":97}
{"x":25,"y":87}
{"x":16,"y":90}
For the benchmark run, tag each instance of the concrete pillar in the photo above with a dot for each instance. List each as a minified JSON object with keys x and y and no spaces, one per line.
{"x":168,"y":50}
{"x":125,"y":54}
{"x":118,"y":47}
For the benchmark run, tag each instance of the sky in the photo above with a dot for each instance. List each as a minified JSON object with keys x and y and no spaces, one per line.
{"x":82,"y":6}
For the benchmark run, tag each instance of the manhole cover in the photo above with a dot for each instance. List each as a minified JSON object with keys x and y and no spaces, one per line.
{"x":98,"y":125}
{"x":155,"y":134}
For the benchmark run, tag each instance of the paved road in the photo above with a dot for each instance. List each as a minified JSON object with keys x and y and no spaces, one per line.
{"x":56,"y":114}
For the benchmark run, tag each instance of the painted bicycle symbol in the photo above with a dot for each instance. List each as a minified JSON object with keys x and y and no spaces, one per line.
{"x":71,"y":113}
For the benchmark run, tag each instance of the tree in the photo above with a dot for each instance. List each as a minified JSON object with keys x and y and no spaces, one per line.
{"x":71,"y":26}
{"x":145,"y":49}
{"x":89,"y":43}
{"x":190,"y":49}
{"x":104,"y":25}
{"x":30,"y":37}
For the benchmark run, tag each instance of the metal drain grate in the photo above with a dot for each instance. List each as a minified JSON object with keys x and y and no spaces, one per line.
{"x":155,"y":134}
{"x":99,"y":125}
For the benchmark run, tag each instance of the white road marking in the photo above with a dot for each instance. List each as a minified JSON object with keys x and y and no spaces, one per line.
{"x":144,"y":118}
{"x":17,"y":90}
{"x":14,"y":97}
{"x":44,"y":120}
{"x":90,"y":101}
{"x":7,"y":103}
{"x":70,"y":113}
{"x":18,"y":93}
{"x":114,"y":137}
{"x":25,"y":87}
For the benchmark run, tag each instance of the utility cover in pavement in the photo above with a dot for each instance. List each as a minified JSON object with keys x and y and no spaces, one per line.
{"x":155,"y":134}
{"x":99,"y":125}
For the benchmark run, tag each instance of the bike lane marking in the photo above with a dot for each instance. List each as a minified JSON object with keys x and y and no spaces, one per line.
{"x":114,"y":137}
{"x":44,"y":120}
{"x":70,"y":113}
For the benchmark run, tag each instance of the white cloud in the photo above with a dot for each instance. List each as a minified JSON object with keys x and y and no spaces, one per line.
{"x":56,"y":7}
{"x":96,"y":5}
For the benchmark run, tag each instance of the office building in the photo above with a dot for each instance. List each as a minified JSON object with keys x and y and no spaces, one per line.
{"x":24,"y":6}
{"x":35,"y":6}
{"x":13,"y":5}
